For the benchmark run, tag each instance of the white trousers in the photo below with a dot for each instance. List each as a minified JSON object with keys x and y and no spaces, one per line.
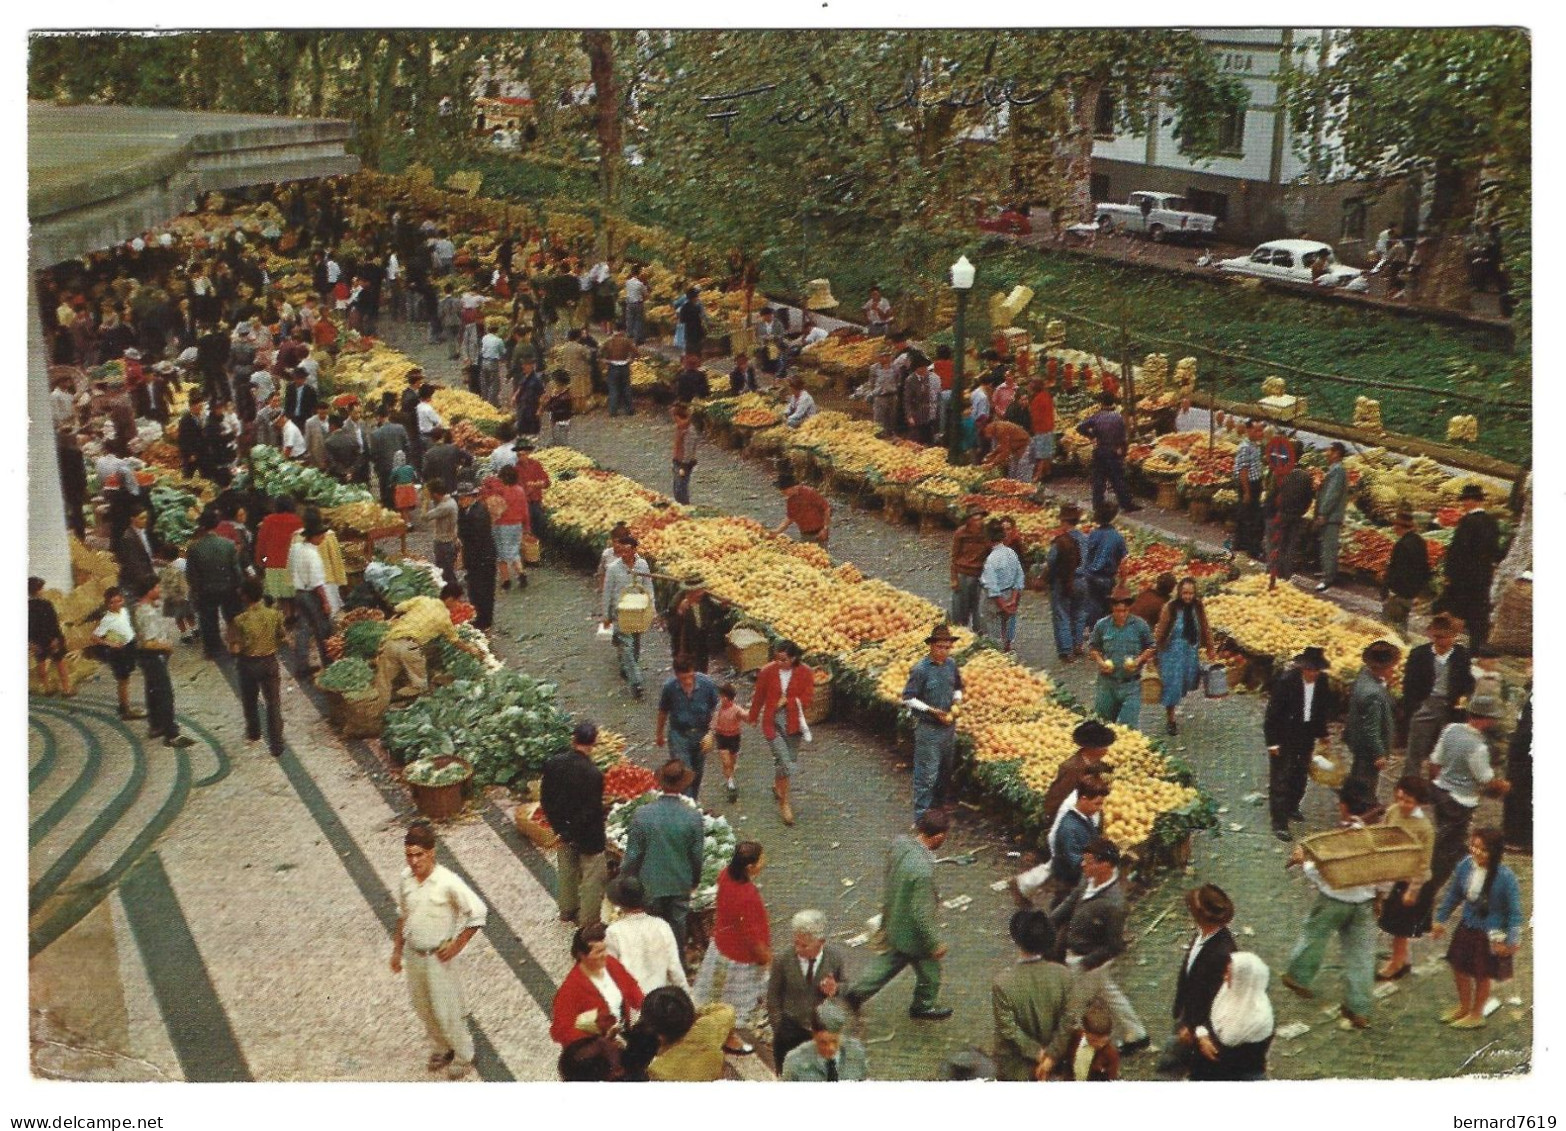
{"x":436,"y":991}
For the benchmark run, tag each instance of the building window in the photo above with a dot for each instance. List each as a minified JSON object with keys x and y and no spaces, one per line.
{"x":1212,"y":203}
{"x":1353,"y":219}
{"x":1104,"y":116}
{"x":1231,"y":131}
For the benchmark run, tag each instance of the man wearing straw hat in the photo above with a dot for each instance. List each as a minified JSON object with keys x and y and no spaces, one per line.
{"x":933,"y":690}
{"x":1120,"y":644}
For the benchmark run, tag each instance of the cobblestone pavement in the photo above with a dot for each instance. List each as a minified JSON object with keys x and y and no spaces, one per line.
{"x":248,"y":936}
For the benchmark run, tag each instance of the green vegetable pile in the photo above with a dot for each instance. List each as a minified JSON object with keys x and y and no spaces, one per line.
{"x":506,"y":725}
{"x":397,"y":583}
{"x":363,"y":638}
{"x":346,"y":676}
{"x":426,"y":772}
{"x":457,"y":663}
{"x":171,"y":514}
{"x":275,"y":474}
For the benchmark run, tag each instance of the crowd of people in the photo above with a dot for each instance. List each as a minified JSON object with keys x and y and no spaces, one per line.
{"x":203,"y":318}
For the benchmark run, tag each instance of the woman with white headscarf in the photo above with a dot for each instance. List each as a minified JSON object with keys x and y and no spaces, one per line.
{"x":1242,"y":1024}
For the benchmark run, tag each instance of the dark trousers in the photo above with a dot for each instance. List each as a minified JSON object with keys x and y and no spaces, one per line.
{"x":160,"y":693}
{"x":1472,"y":607}
{"x":208,"y":606}
{"x":1109,"y":469}
{"x":672,"y":909}
{"x":313,"y":620}
{"x":787,"y":1037}
{"x":1286,"y":775}
{"x":259,"y":677}
{"x":1286,"y":544}
{"x":1249,"y":525}
{"x":1517,"y":808}
{"x":481,"y":592}
{"x":388,"y":488}
{"x":446,"y":560}
{"x":1452,"y":819}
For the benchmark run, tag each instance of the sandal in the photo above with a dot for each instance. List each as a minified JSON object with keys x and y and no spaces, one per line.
{"x":745,"y":1049}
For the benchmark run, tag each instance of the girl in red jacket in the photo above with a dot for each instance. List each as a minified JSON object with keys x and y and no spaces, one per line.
{"x":785,"y":689}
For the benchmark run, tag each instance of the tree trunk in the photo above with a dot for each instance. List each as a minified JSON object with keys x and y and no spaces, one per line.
{"x":599,"y":46}
{"x":317,"y":79}
{"x":1444,"y":269}
{"x":1075,"y":151}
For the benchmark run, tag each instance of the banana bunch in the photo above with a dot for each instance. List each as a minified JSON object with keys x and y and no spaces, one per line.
{"x":1185,"y":374}
{"x":459,"y":404}
{"x":558,"y":459}
{"x":1367,"y":414}
{"x":1274,"y":387}
{"x":1154,"y":372}
{"x":1463,"y":430}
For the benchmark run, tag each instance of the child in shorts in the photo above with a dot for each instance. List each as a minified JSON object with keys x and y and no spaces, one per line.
{"x":726,"y":726}
{"x":176,"y":599}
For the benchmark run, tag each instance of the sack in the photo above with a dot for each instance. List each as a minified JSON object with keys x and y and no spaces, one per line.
{"x":532,"y":550}
{"x":1512,"y":631}
{"x":406,"y":496}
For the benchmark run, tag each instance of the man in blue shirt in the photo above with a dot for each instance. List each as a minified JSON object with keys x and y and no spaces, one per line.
{"x":1002,"y":581}
{"x":1108,"y":431}
{"x":685,"y":709}
{"x":1102,"y":552}
{"x":1120,"y":644}
{"x":1074,"y":831}
{"x":933,"y":689}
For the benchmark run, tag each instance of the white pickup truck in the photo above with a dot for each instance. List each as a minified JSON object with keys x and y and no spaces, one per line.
{"x":1158,"y":215}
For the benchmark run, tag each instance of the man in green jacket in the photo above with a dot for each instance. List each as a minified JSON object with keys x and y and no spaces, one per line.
{"x":663,"y":849}
{"x":1032,"y":1024}
{"x":1370,"y":725}
{"x":213,"y":576}
{"x":909,"y":911}
{"x":1331,"y":506}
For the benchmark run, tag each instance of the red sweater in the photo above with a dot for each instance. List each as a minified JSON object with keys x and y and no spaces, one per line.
{"x":578,"y":994}
{"x":273,"y":537}
{"x":769,"y":696}
{"x":740,"y":926}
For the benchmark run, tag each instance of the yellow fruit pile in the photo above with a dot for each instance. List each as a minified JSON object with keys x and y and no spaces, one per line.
{"x":645,"y":374}
{"x":1284,"y":621}
{"x":855,"y":353}
{"x":556,"y":460}
{"x":594,"y":501}
{"x":361,"y":517}
{"x":459,"y":404}
{"x":997,"y":689}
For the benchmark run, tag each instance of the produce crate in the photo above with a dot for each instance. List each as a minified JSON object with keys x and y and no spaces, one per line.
{"x":747,"y":650}
{"x":1355,"y":857}
{"x":531,"y":825}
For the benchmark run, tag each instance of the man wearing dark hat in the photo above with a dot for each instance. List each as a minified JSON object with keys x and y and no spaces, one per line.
{"x":921,"y":398}
{"x":1202,"y":970}
{"x":933,"y":690}
{"x":476,"y":533}
{"x":663,"y":849}
{"x":686,"y":706}
{"x":1296,"y":719}
{"x":691,"y":622}
{"x":1028,"y":998}
{"x":1093,"y":741}
{"x":1439,"y":675}
{"x":1408,"y":573}
{"x":1092,"y":922}
{"x":970,"y":546}
{"x":1120,"y":644}
{"x":572,"y":794}
{"x":1470,"y":566}
{"x":388,"y":439}
{"x":1369,"y":729}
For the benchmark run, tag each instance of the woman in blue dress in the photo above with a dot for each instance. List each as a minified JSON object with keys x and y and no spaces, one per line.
{"x":1181,"y":636}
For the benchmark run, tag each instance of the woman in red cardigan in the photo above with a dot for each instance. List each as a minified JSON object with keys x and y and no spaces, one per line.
{"x":273,"y":538}
{"x":598,"y":996}
{"x":735,"y":969}
{"x":785,"y":688}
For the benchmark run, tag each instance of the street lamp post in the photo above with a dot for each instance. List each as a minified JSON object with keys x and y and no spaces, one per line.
{"x":962,"y":283}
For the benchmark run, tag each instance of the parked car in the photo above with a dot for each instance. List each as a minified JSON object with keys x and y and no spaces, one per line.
{"x":1293,"y":261}
{"x":1158,"y":215}
{"x":1007,"y":221}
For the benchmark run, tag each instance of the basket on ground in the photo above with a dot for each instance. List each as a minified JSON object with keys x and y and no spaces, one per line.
{"x":439,"y":802}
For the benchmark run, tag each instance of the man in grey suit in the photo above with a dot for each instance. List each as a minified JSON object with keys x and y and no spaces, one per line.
{"x":1032,"y":1024}
{"x":663,"y":849}
{"x":386,"y":441}
{"x":1331,"y":506}
{"x":830,"y":1056}
{"x":909,"y":910}
{"x":801,"y":979}
{"x":1092,"y":922}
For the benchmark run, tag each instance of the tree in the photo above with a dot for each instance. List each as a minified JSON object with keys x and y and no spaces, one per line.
{"x":1448,"y":107}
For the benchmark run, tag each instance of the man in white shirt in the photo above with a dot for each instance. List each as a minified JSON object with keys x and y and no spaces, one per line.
{"x":878,"y":313}
{"x":801,"y":405}
{"x":1348,"y":913}
{"x":643,"y":943}
{"x":428,"y":419}
{"x":62,"y":403}
{"x":310,"y":597}
{"x":492,"y":351}
{"x":438,"y":916}
{"x":293,"y":440}
{"x":628,"y":570}
{"x":636,"y":306}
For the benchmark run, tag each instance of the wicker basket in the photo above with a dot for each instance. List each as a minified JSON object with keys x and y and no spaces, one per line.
{"x":362,"y":713}
{"x":634,"y":613}
{"x":1512,"y":632}
{"x":1354,"y":857}
{"x":1200,"y":509}
{"x":532,"y":550}
{"x":768,"y":441}
{"x":1168,"y":495}
{"x":803,"y":462}
{"x":440,"y":802}
{"x":821,"y":701}
{"x":747,"y":650}
{"x":1152,"y":684}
